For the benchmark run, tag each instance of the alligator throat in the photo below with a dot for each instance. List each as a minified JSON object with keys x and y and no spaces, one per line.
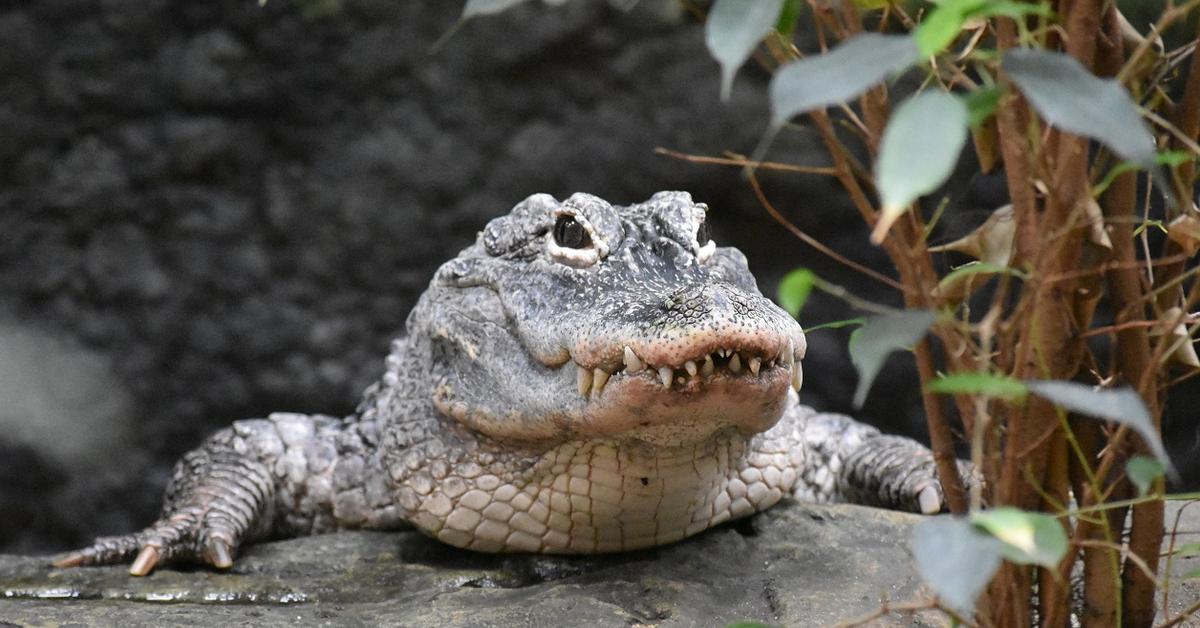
{"x":614,"y":495}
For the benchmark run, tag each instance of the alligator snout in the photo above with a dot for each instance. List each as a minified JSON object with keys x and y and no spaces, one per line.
{"x":689,"y":336}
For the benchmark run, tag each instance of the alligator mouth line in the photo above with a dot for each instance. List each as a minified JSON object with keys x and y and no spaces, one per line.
{"x":700,"y":369}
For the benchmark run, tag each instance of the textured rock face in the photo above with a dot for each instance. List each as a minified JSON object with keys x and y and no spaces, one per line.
{"x":238,"y":206}
{"x":795,"y":565}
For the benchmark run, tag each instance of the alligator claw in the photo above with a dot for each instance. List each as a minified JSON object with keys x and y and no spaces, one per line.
{"x":930,"y":500}
{"x":217,"y":553}
{"x":68,"y":560}
{"x":145,"y":562}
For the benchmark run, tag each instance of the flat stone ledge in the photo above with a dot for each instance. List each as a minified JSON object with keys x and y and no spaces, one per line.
{"x":798,"y":564}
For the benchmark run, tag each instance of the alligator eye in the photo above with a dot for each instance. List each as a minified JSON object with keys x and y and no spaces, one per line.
{"x":570,"y":234}
{"x":703,"y":234}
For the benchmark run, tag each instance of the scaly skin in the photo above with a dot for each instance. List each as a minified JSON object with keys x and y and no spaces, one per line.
{"x":585,"y":378}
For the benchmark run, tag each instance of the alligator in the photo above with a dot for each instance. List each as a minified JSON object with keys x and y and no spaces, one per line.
{"x":584,"y":378}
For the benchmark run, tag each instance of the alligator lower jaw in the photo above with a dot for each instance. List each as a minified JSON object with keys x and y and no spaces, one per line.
{"x":642,"y":408}
{"x":744,"y":386}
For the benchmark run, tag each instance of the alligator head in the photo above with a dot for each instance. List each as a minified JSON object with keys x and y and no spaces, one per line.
{"x":581,"y":320}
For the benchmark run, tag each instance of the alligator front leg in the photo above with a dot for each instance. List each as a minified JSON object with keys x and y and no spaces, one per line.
{"x":848,"y":461}
{"x":256,"y":478}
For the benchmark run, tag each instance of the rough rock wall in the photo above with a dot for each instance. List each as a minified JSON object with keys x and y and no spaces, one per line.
{"x":231,"y":208}
{"x":219,"y":209}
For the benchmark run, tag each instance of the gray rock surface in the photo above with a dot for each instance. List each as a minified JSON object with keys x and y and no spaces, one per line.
{"x":798,"y":565}
{"x":795,"y":565}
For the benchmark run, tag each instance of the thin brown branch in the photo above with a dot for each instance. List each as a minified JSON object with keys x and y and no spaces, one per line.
{"x":941,"y":440}
{"x":1012,"y":120}
{"x":886,"y":608}
{"x":844,"y":170}
{"x":1187,"y":120}
{"x":1183,"y":615}
{"x":742,"y":162}
{"x":1106,"y":267}
{"x":1136,"y":560}
{"x":1179,"y":135}
{"x":815,"y":243}
{"x":1167,"y":18}
{"x":1117,"y":328}
{"x":1170,"y":555}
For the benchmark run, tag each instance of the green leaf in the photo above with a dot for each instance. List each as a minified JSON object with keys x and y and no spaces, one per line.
{"x":1030,"y":538}
{"x":982,"y":102}
{"x":1190,"y":549}
{"x":985,"y":384}
{"x":488,"y":7}
{"x":943,"y":24}
{"x":871,"y":344}
{"x":1173,"y":158}
{"x":940,"y":27}
{"x":733,"y":30}
{"x":1122,"y":405}
{"x":1143,"y":471}
{"x":786,"y":25}
{"x":1192,"y":575}
{"x":1170,"y":158}
{"x":794,"y":290}
{"x":1074,"y":100}
{"x":919,"y":150}
{"x":838,"y":75}
{"x":1008,"y":8}
{"x":955,"y":559}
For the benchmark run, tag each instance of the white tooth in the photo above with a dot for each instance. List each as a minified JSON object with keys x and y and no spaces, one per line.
{"x":735,"y":363}
{"x":797,"y":376}
{"x":707,"y":368}
{"x":755,"y":363}
{"x":690,"y":366}
{"x":664,"y":374}
{"x":680,"y":380}
{"x":725,"y":352}
{"x":790,"y":357}
{"x":599,"y":379}
{"x":632,"y":363}
{"x":583,"y":377}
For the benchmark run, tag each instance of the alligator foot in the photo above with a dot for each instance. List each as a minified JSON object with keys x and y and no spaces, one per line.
{"x":180,"y":537}
{"x":217,"y":499}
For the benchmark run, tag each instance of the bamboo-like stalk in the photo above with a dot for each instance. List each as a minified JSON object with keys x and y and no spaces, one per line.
{"x":911,"y":258}
{"x":1133,"y":362}
{"x":1053,"y":590}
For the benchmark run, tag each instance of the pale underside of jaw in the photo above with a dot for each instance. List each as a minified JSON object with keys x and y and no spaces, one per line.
{"x":722,"y":362}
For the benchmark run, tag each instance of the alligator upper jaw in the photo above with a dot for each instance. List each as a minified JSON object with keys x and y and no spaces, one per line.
{"x":693,"y":369}
{"x":708,"y":388}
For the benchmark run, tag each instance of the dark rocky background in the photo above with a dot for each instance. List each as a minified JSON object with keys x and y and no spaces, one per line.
{"x":212,"y":210}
